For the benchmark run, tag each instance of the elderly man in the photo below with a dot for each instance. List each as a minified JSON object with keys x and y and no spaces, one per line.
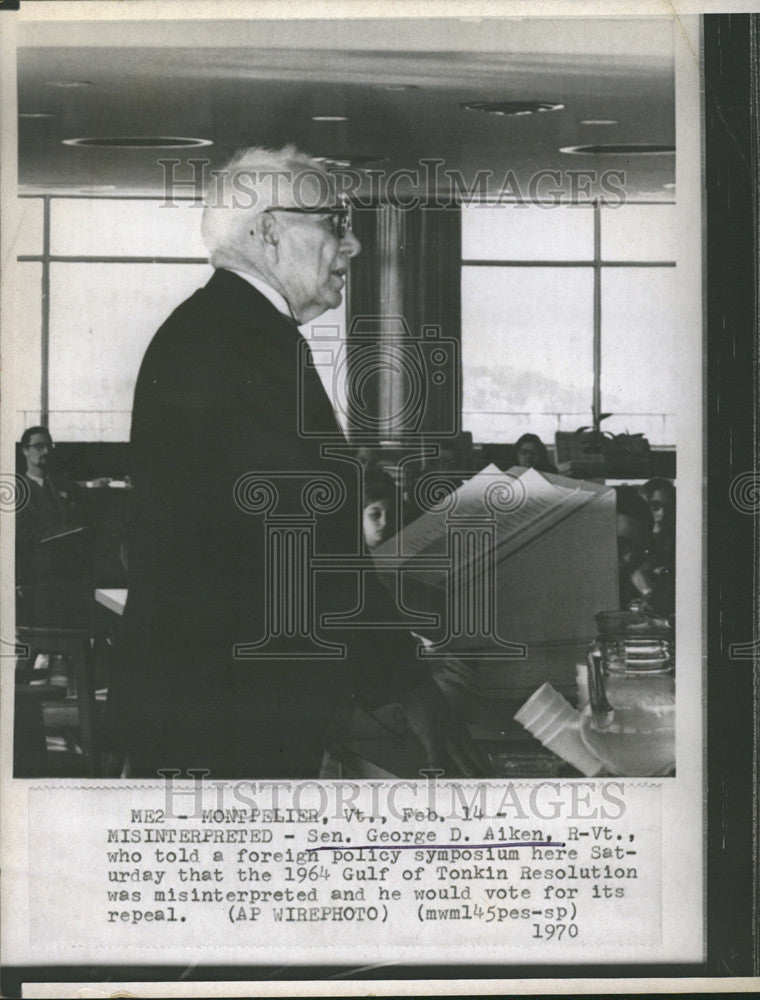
{"x":221,"y":391}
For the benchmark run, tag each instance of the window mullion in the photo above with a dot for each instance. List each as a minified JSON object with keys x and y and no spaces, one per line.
{"x":596,"y":402}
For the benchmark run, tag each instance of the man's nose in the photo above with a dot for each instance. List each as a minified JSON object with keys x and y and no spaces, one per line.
{"x":350,"y":245}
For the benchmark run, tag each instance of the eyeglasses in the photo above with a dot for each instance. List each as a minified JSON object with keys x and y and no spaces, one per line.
{"x":339,"y":216}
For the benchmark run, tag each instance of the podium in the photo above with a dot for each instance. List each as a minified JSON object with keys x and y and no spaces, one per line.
{"x":513,"y":565}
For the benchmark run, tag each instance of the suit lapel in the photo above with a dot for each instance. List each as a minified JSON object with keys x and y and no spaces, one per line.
{"x":279,"y":342}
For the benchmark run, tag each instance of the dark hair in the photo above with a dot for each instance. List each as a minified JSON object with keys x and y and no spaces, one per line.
{"x":664,"y":486}
{"x":544,"y":463}
{"x":26,"y":437}
{"x":630,"y":504}
{"x":378,"y":486}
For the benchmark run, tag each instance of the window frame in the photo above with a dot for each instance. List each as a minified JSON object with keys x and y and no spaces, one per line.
{"x":46,"y":257}
{"x":598,"y":263}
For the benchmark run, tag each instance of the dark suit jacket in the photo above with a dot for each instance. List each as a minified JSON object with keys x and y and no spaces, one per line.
{"x":53,"y":568}
{"x":49,"y":510}
{"x":217,"y":399}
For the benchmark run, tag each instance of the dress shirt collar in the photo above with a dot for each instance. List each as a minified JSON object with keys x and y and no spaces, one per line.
{"x":280,"y":303}
{"x":277,"y":300}
{"x":39,"y":481}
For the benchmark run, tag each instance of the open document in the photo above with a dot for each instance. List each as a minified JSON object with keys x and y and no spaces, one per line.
{"x":515,"y":565}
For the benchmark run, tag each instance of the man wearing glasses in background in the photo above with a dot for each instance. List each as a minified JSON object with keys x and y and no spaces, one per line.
{"x":51,"y":554}
{"x":217,"y":400}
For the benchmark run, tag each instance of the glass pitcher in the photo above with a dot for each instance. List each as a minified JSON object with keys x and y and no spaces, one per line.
{"x":630,"y":721}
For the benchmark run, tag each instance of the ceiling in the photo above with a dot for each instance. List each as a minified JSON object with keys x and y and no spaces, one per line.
{"x":241,"y":83}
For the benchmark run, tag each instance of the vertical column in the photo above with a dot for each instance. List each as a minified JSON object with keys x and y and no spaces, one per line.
{"x":596,"y":403}
{"x":471,"y":604}
{"x":45,"y":333}
{"x":471,"y":626}
{"x":386,"y":562}
{"x":290,"y":629}
{"x":391,"y":237}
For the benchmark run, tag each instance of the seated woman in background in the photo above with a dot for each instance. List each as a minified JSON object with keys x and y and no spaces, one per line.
{"x":532,"y":454}
{"x":660,"y":495}
{"x":379,"y":520}
{"x":639,"y":577}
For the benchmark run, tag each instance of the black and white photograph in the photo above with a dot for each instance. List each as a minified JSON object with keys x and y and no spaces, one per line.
{"x":356,"y":388}
{"x":476,"y":383}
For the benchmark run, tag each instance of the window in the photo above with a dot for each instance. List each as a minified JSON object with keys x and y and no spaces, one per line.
{"x":638,"y":374}
{"x":24,"y":341}
{"x":114,"y":269}
{"x":523,"y":367}
{"x":530,"y":275}
{"x":125,"y":227}
{"x":102,"y":318}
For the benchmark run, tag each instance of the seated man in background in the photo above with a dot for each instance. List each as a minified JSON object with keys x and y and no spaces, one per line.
{"x":51,"y":543}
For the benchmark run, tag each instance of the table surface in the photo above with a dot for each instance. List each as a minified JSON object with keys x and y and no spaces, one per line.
{"x":373,"y":747}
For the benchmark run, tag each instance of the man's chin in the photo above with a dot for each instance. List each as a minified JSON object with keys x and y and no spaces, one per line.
{"x":332,"y":301}
{"x":329,"y":301}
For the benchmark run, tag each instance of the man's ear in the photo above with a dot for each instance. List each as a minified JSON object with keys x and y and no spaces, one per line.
{"x":264,"y":229}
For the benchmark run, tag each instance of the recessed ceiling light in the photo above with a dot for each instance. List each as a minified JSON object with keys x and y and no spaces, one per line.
{"x":670,"y":186}
{"x":69,"y":83}
{"x":599,"y":121}
{"x":35,"y":114}
{"x":329,"y":118}
{"x":138,"y":142}
{"x":333,"y":162}
{"x":395,"y":86}
{"x":620,"y":149}
{"x":348,"y":160}
{"x":512,"y":108}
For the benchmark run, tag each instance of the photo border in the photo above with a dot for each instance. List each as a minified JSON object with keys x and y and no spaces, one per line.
{"x":731,"y":136}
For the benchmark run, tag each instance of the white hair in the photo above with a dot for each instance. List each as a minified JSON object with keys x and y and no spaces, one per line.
{"x":252,"y":181}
